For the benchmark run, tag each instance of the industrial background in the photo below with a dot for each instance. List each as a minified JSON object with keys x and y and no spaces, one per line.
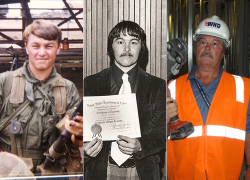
{"x":185,"y":15}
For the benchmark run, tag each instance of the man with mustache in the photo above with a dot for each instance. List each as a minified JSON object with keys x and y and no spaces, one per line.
{"x":216,"y":103}
{"x":127,"y":51}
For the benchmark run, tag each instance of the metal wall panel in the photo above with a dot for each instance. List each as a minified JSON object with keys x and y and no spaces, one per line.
{"x":100,"y":16}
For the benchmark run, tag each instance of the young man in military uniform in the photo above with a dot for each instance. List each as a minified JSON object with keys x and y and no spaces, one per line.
{"x":34,"y":98}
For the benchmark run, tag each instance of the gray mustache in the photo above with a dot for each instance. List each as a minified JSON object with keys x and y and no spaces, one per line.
{"x":206,"y":53}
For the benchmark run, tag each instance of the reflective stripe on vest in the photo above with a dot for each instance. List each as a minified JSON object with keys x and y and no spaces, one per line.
{"x":239,"y":88}
{"x":220,"y":131}
{"x":172,"y":88}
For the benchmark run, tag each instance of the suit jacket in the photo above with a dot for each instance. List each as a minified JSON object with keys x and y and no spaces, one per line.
{"x":151,"y":102}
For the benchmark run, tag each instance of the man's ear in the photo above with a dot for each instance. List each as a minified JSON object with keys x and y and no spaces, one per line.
{"x":59,"y":48}
{"x":25,"y":44}
{"x":223,"y":55}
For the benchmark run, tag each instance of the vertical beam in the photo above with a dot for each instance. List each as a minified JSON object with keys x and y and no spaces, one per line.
{"x":164,"y":40}
{"x":176,"y":17}
{"x":99,"y":35}
{"x":148,"y":31}
{"x":183,"y":21}
{"x":158,"y":38}
{"x":132,"y":10}
{"x":180,"y":18}
{"x":226,"y":57}
{"x":126,"y":9}
{"x":232,"y":20}
{"x":137,"y":11}
{"x":88,"y":23}
{"x":84,"y":38}
{"x":168,"y":26}
{"x":93,"y":36}
{"x":110,"y":15}
{"x":243,"y":45}
{"x":115,"y":15}
{"x":202,"y":10}
{"x":171,"y":19}
{"x":26,"y":16}
{"x":143,"y":14}
{"x":121,"y":10}
{"x":190,"y":11}
{"x":211,"y":8}
{"x":105,"y":34}
{"x":152,"y":60}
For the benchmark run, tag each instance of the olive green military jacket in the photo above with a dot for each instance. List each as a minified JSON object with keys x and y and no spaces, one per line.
{"x":38,"y":120}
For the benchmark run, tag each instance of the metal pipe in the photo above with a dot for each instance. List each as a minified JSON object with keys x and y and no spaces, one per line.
{"x":190,"y":33}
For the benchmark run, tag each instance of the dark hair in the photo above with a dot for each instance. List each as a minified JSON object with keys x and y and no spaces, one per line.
{"x":43,"y":29}
{"x":132,"y":29}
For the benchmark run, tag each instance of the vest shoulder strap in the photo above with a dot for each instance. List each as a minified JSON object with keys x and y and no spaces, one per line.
{"x":60,"y":96}
{"x":18,"y":91}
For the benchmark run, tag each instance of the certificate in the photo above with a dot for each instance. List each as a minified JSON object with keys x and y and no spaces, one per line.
{"x":106,"y":117}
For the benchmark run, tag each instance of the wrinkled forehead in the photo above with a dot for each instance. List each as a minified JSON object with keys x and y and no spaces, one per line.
{"x":210,"y":38}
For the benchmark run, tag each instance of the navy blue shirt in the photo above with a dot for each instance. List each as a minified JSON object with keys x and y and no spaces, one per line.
{"x":209,"y":92}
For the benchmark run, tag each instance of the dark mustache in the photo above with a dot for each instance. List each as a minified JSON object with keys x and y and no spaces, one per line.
{"x":206,"y":53}
{"x":126,"y":54}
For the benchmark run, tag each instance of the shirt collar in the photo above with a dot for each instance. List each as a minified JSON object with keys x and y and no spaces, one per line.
{"x":117,"y":75}
{"x":192,"y":73}
{"x":29,"y":76}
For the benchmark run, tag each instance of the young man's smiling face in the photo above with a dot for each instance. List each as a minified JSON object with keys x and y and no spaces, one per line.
{"x":42,"y":53}
{"x":126,"y":49}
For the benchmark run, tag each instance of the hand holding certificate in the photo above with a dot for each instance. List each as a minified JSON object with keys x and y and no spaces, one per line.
{"x":106,"y":117}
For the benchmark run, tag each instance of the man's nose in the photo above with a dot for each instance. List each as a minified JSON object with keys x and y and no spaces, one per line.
{"x":127,"y":47}
{"x":208,"y":46}
{"x":41,"y":51}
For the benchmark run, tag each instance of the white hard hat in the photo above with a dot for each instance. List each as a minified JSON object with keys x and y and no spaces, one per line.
{"x":213,"y":26}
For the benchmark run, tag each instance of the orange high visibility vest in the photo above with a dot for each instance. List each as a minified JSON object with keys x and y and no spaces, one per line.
{"x":214,"y":151}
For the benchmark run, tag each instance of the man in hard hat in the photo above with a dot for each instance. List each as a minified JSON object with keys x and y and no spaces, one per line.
{"x":216,"y":103}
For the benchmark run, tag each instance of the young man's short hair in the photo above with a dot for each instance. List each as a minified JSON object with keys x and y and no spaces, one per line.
{"x":43,"y":29}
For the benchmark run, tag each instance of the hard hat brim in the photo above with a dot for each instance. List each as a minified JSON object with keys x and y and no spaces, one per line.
{"x":198,"y":36}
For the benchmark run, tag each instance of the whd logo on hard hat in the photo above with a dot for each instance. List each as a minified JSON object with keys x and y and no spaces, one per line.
{"x":213,"y":24}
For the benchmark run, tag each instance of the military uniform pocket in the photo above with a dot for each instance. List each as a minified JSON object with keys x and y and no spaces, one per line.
{"x":49,"y":125}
